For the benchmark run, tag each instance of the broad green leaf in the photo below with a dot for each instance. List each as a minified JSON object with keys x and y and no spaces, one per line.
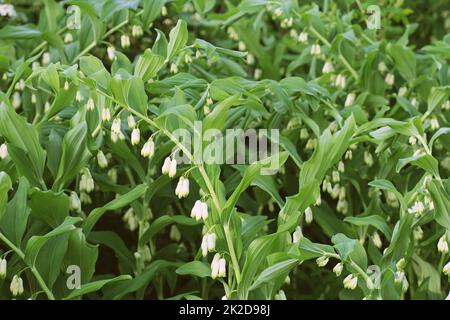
{"x":94,"y":286}
{"x":14,"y":221}
{"x":49,"y":207}
{"x":195,"y":268}
{"x":115,"y":204}
{"x":35,"y":244}
{"x":177,"y":39}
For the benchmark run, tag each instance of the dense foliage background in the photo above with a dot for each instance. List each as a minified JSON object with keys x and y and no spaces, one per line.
{"x":91,"y":92}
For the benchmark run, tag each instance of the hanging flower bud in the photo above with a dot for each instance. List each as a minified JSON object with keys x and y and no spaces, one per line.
{"x":250,"y":59}
{"x":3,"y":151}
{"x":350,"y":282}
{"x":442,"y":245}
{"x":125,"y":41}
{"x":338,"y":269}
{"x":16,"y":286}
{"x":297,"y":235}
{"x":196,"y":212}
{"x":173,"y":168}
{"x":135,"y":136}
{"x":182,"y":189}
{"x":101,"y":159}
{"x":280,"y":295}
{"x":45,"y":58}
{"x":434,"y":123}
{"x":17,"y":100}
{"x":148,"y":150}
{"x":204,"y":208}
{"x":106,"y":114}
{"x":315,"y":50}
{"x":445,"y":270}
{"x":377,"y":240}
{"x":175,"y":234}
{"x":327,"y":67}
{"x":166,"y":165}
{"x":303,"y":37}
{"x":211,"y":241}
{"x":164,"y":11}
{"x":68,"y":38}
{"x":3,"y":268}
{"x":418,"y":208}
{"x":215,"y":266}
{"x":382,"y":67}
{"x":75,"y":203}
{"x":322,"y":261}
{"x":257,"y":74}
{"x":66,"y":86}
{"x":402,"y":91}
{"x":304,"y":134}
{"x":90,"y":104}
{"x":136,"y":31}
{"x":350,"y":100}
{"x":401,"y":264}
{"x":116,"y":125}
{"x":389,"y":79}
{"x":222,"y":268}
{"x":111,"y":53}
{"x":242,"y":46}
{"x":173,"y":68}
{"x":131,"y":122}
{"x":130,"y":219}
{"x":340,"y":81}
{"x":204,"y":246}
{"x":308,"y":215}
{"x":368,"y":159}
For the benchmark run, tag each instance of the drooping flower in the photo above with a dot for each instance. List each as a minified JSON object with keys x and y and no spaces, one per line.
{"x":322,"y":261}
{"x":16,"y":286}
{"x":338,"y":269}
{"x":350,"y":282}
{"x":135,"y":136}
{"x":101,"y":159}
{"x":3,"y":268}
{"x":297,"y":235}
{"x":148,"y":150}
{"x":442,"y":245}
{"x":3,"y":151}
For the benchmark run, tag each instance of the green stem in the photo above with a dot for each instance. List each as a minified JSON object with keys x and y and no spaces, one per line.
{"x":33,"y":269}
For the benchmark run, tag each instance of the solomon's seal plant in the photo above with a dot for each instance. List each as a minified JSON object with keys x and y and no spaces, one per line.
{"x":212,"y":149}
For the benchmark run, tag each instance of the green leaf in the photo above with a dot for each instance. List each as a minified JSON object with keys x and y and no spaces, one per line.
{"x":195,"y":268}
{"x":115,"y":204}
{"x":373,"y":220}
{"x":256,"y":254}
{"x":441,"y":200}
{"x":94,"y":286}
{"x":425,"y":161}
{"x":148,"y":65}
{"x":5,"y":186}
{"x":19,"y":32}
{"x":81,"y":254}
{"x":75,"y":155}
{"x":178,"y":37}
{"x":404,"y":59}
{"x":14,"y":221}
{"x":152,"y":9}
{"x":23,"y":145}
{"x":274,"y":271}
{"x":350,"y":250}
{"x":35,"y":244}
{"x":49,"y":207}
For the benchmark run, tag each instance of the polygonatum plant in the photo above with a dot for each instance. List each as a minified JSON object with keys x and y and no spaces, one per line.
{"x":207,"y":149}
